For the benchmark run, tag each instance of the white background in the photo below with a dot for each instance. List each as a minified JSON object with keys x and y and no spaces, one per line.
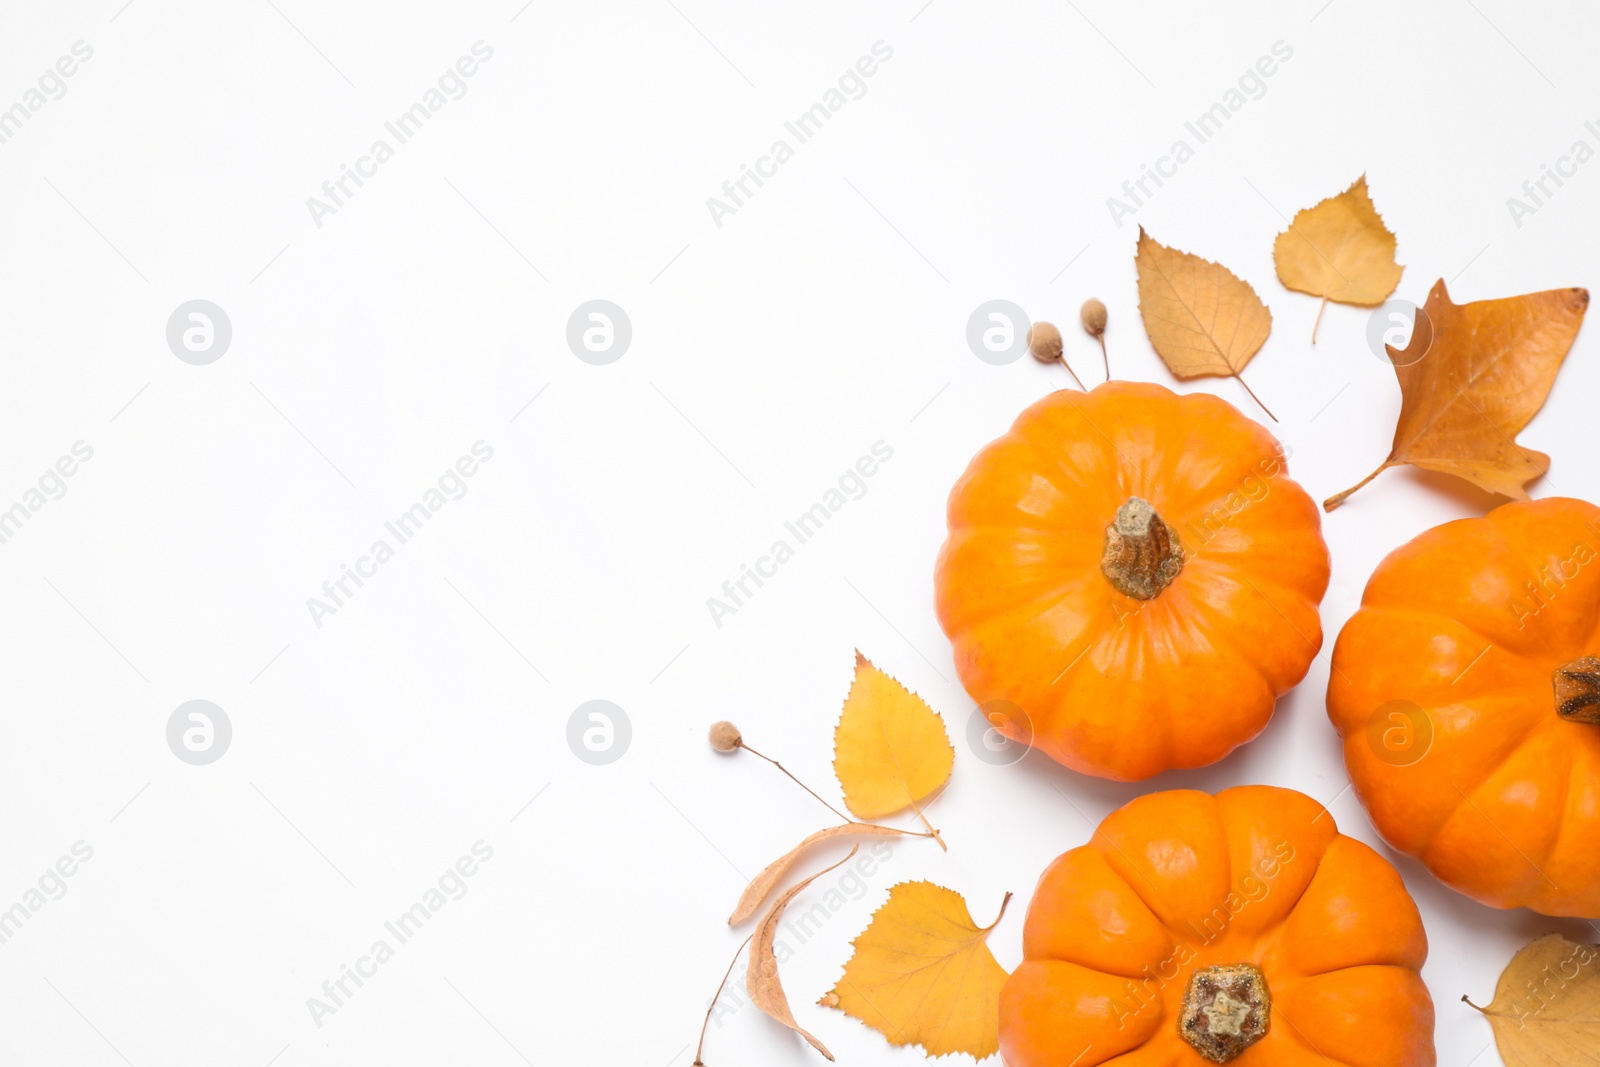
{"x":768,"y":354}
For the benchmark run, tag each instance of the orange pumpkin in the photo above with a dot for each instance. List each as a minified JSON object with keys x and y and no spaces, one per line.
{"x":1194,"y":929}
{"x":1467,"y":692}
{"x":1131,"y":579}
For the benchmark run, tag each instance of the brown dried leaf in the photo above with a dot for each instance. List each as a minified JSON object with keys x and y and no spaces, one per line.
{"x":1471,"y":377}
{"x":1546,"y":1007}
{"x":773,"y":873}
{"x":761,"y":975}
{"x":1339,"y":250}
{"x":1201,"y":317}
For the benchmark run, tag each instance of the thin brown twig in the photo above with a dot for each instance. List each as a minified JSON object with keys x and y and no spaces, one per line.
{"x":1062,"y":359}
{"x":931,"y":831}
{"x":1339,"y":498}
{"x":797,"y":781}
{"x":1240,"y":379}
{"x":700,"y":1046}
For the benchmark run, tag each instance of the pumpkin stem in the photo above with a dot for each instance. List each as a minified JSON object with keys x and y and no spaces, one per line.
{"x":1577,"y":686}
{"x":1226,"y":1009}
{"x":1142,"y":554}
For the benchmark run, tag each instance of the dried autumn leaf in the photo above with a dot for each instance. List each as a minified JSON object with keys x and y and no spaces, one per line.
{"x":773,"y":873}
{"x":1201,"y":317}
{"x":890,"y":749}
{"x":922,"y":974}
{"x":1339,"y":250}
{"x":761,"y":973}
{"x":1471,"y":377}
{"x":1546,"y":1007}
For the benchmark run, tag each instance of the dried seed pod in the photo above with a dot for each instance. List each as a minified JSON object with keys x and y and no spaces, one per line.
{"x":725,"y":736}
{"x":1093,"y":317}
{"x":1044,"y":341}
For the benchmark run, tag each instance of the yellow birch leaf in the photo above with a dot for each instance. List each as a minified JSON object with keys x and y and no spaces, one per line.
{"x":922,"y":974}
{"x":890,"y":749}
{"x":1546,"y":1007}
{"x":1201,"y":317}
{"x":1339,"y":250}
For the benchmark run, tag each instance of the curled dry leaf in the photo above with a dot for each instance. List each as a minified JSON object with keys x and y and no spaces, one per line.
{"x":1201,"y":317}
{"x":1546,"y":1007}
{"x":761,"y":976}
{"x":768,"y":879}
{"x":1471,"y":377}
{"x":890,"y":748}
{"x":1339,"y":250}
{"x":922,"y":974}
